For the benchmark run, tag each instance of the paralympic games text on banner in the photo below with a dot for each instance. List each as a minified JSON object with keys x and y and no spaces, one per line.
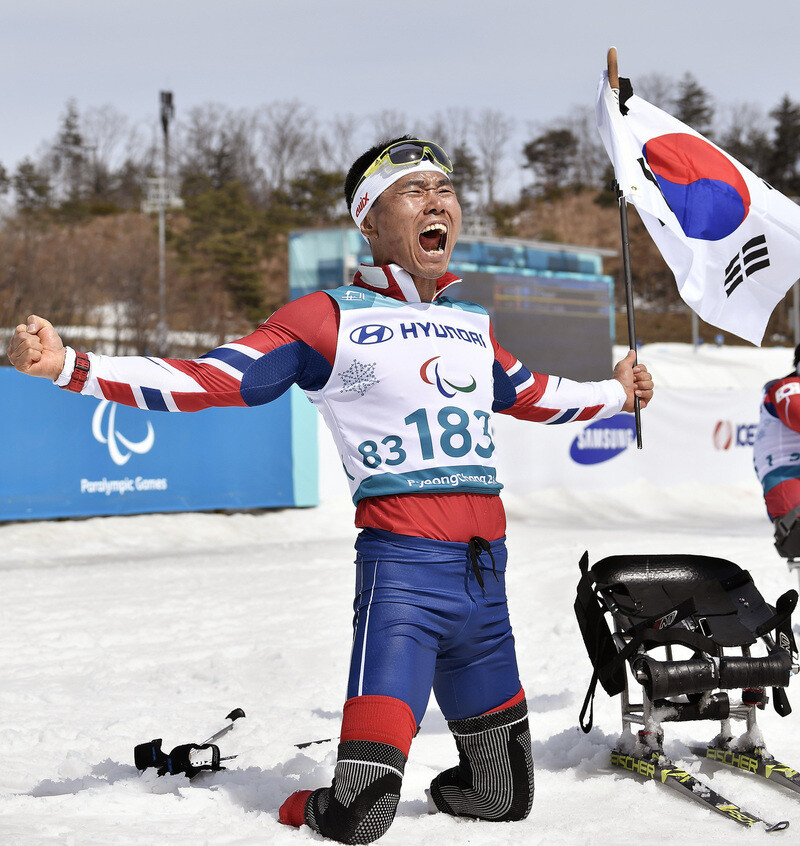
{"x":122,"y":486}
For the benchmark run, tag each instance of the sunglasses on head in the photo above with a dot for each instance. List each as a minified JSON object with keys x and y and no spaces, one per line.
{"x":403,"y":153}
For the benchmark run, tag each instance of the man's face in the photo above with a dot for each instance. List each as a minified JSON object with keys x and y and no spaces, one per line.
{"x":415,"y":223}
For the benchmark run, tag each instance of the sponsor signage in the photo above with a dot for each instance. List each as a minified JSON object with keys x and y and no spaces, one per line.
{"x":728,"y":434}
{"x":688,"y":436}
{"x":67,"y":455}
{"x":603,"y":440}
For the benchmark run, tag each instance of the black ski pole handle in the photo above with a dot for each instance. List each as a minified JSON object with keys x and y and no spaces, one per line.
{"x":234,"y":715}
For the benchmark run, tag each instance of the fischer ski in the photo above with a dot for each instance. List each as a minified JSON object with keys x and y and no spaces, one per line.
{"x":756,"y":761}
{"x":663,"y":771}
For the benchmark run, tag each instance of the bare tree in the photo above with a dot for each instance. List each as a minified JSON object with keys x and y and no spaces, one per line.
{"x":492,"y":132}
{"x":590,"y":159}
{"x":130,"y":291}
{"x":287,"y":142}
{"x":220,"y":145}
{"x":339,"y":148}
{"x":741,"y":131}
{"x":109,"y":135}
{"x":205,"y":148}
{"x":390,"y":124}
{"x":244,"y":139}
{"x":451,"y":129}
{"x":657,"y":88}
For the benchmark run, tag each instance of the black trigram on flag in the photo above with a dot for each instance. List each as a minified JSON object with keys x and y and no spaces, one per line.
{"x":752,"y":257}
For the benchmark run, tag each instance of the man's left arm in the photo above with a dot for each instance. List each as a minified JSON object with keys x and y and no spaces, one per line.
{"x":553,"y":399}
{"x":636,"y":381}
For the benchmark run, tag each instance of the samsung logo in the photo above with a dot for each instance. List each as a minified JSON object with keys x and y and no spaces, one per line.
{"x":603,"y":439}
{"x":374,"y":333}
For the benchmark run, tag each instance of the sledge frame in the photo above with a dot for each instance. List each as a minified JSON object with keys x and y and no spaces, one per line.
{"x":650,"y":738}
{"x":650,"y":714}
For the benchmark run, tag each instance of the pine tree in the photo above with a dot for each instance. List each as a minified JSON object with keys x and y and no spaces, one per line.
{"x":551,"y":156}
{"x":782,"y":172}
{"x":466,"y":176}
{"x":32,"y":188}
{"x":225,"y":241}
{"x":693,"y":105}
{"x":69,"y":157}
{"x":312,"y":199}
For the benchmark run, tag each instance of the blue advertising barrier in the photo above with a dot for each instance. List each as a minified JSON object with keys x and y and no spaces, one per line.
{"x":64,"y":455}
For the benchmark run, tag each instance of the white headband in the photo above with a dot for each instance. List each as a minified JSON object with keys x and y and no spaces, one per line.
{"x":376,"y":183}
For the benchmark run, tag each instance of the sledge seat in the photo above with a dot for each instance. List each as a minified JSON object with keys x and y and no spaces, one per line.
{"x":707,"y":608}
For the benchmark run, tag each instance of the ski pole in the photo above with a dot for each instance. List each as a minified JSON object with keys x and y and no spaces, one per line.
{"x":233,"y":716}
{"x":314,"y":742}
{"x":185,"y":758}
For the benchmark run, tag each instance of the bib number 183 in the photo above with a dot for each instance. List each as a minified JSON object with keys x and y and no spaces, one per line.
{"x":454,"y":438}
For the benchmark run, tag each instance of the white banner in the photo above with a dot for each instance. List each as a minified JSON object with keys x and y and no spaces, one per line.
{"x":688,"y":435}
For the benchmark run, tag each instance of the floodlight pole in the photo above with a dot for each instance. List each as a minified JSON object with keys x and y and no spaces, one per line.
{"x":162,"y":330}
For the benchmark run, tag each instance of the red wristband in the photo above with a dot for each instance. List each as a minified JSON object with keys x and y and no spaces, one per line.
{"x":79,"y":373}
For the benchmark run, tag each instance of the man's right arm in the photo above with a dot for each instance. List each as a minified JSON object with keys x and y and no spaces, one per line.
{"x":36,"y":348}
{"x":296,"y":344}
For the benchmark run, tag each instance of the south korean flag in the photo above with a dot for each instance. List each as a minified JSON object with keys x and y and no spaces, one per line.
{"x":731,"y":240}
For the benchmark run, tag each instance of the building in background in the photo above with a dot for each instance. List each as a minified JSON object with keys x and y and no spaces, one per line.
{"x":551,"y":304}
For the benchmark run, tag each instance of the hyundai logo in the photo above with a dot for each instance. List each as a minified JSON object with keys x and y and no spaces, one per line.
{"x":374,"y":333}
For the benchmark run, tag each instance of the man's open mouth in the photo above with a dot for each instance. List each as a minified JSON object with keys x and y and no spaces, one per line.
{"x":433,"y":238}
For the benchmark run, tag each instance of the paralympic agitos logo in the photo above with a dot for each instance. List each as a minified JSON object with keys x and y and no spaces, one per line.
{"x":431,"y":376}
{"x":113,"y":438}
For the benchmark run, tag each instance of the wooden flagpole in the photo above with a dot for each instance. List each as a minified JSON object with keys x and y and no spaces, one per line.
{"x":613,"y":81}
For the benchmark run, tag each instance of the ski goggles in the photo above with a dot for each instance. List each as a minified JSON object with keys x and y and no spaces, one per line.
{"x":394,"y":162}
{"x":404,"y":153}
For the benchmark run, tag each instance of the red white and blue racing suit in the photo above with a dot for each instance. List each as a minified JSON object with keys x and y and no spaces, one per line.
{"x":776,"y":452}
{"x":408,"y":389}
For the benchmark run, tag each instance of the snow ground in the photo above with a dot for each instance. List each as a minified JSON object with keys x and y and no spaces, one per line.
{"x":118,"y":630}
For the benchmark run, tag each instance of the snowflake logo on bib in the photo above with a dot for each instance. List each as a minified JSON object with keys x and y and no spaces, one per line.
{"x":358,"y":377}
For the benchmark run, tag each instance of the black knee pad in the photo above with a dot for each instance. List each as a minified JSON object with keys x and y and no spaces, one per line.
{"x":787,"y":534}
{"x":494,"y":776}
{"x":360,"y":804}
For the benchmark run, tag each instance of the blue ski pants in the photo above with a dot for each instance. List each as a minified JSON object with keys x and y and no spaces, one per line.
{"x":423,"y":621}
